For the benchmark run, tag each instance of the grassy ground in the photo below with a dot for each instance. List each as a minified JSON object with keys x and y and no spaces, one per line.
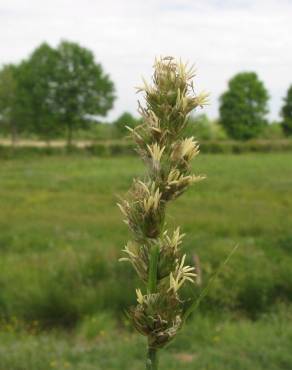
{"x":205,"y":344}
{"x":61,"y":235}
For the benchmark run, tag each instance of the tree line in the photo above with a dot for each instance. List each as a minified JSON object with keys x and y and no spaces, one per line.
{"x":56,"y":91}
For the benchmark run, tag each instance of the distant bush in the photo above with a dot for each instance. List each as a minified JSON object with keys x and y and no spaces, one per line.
{"x":202,"y":128}
{"x":125,"y":148}
{"x":273,"y":131}
{"x":237,"y":147}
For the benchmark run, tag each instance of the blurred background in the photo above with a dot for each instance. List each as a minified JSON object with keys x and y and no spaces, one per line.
{"x":68,"y":78}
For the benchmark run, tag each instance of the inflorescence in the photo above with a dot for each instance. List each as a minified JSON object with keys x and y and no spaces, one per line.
{"x":154,"y":251}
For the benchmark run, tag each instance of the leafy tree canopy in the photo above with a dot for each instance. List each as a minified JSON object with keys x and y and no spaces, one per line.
{"x":38,"y":84}
{"x":83,"y":88}
{"x":243,"y":107}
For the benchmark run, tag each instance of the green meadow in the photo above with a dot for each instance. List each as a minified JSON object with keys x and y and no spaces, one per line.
{"x":63,"y":292}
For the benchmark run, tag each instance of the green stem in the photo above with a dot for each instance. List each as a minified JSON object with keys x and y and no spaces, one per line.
{"x":152,"y":359}
{"x":153,"y":263}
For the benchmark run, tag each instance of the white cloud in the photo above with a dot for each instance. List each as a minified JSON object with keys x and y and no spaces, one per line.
{"x":221,"y":37}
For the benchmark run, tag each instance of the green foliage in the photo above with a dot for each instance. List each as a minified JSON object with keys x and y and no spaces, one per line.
{"x":125,"y":119}
{"x":286,"y":113}
{"x":243,"y":107}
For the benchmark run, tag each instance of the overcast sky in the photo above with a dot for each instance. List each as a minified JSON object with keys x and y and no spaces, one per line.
{"x":220,"y":37}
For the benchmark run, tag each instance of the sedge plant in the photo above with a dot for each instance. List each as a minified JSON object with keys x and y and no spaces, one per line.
{"x":155,"y":251}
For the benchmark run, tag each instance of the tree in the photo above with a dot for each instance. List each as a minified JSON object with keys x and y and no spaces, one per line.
{"x":38,"y":84}
{"x":243,"y":107}
{"x":83,"y":89}
{"x":125,"y":119}
{"x":8,"y":100}
{"x":286,"y":113}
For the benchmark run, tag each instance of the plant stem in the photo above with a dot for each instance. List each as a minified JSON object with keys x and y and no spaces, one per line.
{"x":152,"y":278}
{"x":152,"y":359}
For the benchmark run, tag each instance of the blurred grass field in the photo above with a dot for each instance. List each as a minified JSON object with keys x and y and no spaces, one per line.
{"x":63,"y":292}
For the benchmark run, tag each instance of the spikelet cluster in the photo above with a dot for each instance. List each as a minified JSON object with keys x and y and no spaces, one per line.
{"x":167,"y":154}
